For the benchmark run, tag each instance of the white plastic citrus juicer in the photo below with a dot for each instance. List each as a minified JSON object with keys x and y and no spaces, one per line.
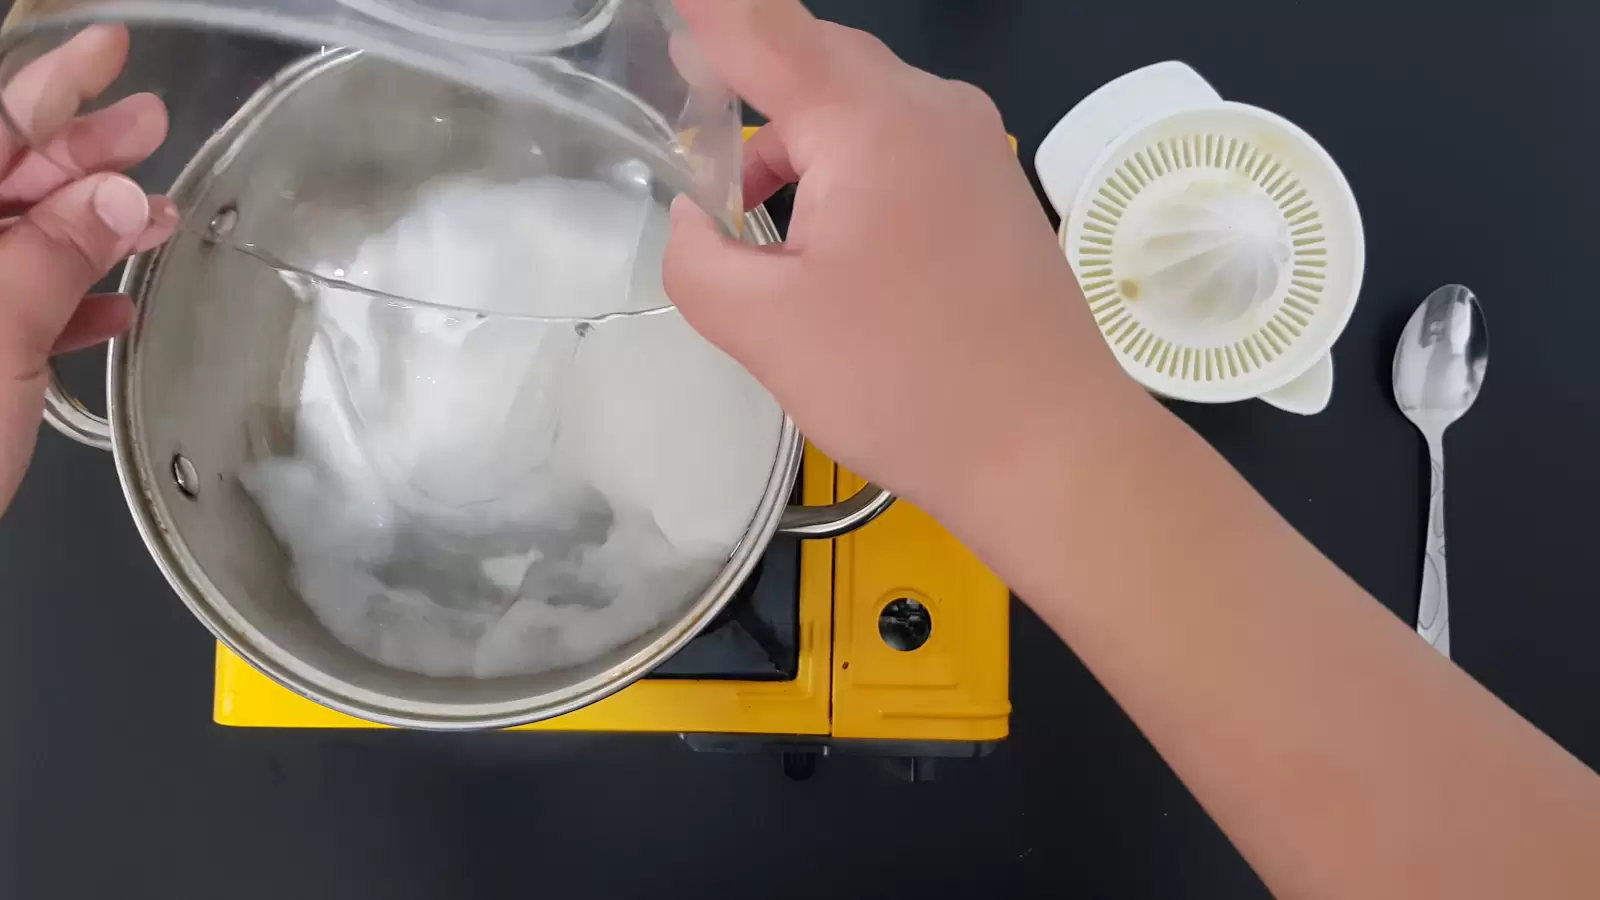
{"x":1218,"y":246}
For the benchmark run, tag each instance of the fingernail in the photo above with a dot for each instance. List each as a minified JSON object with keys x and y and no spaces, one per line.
{"x":122,"y":206}
{"x":683,"y":210}
{"x":162,"y":210}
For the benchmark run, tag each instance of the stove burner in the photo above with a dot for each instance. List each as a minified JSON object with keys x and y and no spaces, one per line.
{"x":756,"y":637}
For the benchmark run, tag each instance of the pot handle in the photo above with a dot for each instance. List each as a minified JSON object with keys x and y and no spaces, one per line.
{"x":823,"y":522}
{"x":817,"y":522}
{"x":67,"y":415}
{"x":71,"y":418}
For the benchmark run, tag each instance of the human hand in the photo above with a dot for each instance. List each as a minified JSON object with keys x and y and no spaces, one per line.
{"x":921,"y":324}
{"x":66,"y":220}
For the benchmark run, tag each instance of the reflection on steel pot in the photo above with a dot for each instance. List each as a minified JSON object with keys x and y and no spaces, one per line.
{"x":207,"y":390}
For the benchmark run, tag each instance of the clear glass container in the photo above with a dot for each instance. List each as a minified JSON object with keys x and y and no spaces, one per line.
{"x":602,"y":101}
{"x":461,"y":456}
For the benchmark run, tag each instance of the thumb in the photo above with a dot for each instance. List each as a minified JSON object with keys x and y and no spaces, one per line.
{"x":725,"y":288}
{"x":48,"y":260}
{"x":52,"y":256}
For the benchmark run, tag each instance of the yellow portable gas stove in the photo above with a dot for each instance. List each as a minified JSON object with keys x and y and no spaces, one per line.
{"x":892,"y":641}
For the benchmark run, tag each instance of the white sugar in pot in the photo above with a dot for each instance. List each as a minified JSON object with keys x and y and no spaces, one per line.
{"x":206,"y":386}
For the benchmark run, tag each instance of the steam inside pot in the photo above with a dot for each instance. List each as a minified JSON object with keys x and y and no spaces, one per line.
{"x":519,"y":489}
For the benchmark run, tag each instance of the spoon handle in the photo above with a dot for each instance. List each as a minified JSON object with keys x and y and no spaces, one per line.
{"x":1433,"y":608}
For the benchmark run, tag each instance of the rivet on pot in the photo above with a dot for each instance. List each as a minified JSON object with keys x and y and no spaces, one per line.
{"x":185,"y":476}
{"x":633,"y":172}
{"x":222,"y":224}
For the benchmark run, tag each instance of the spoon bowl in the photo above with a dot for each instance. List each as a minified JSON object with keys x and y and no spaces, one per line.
{"x":1443,"y":353}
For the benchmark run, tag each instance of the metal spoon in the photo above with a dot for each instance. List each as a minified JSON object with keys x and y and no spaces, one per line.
{"x":1438,"y":371}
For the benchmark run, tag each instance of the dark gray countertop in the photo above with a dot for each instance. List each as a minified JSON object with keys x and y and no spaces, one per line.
{"x":1470,"y":140}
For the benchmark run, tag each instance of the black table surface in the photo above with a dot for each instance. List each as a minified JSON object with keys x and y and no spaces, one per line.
{"x":1470,"y":139}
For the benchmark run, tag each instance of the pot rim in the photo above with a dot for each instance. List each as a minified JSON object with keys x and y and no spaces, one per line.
{"x":137,"y":473}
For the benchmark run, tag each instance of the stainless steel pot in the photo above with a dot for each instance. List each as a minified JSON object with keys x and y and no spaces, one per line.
{"x":207,"y":352}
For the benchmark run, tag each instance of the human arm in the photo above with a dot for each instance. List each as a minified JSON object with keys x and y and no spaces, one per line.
{"x":1343,"y":756}
{"x":65,"y":221}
